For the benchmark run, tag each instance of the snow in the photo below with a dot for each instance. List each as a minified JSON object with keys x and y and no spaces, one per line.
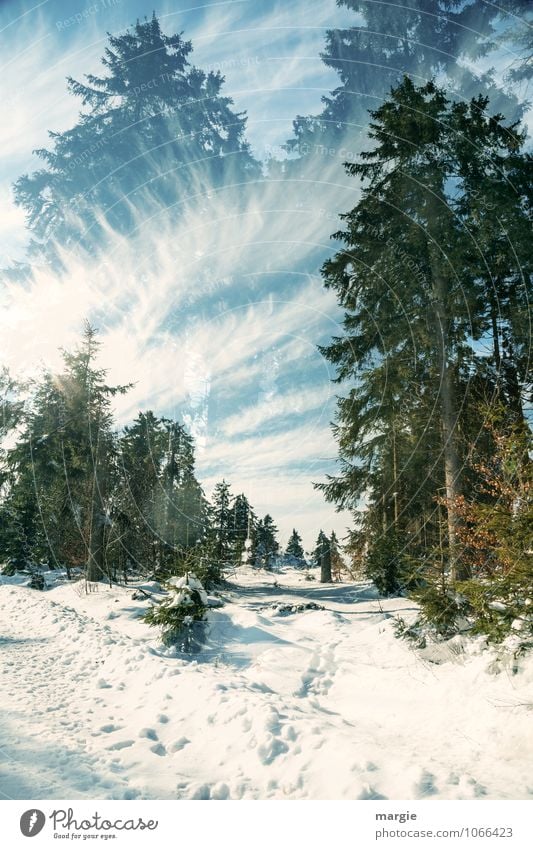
{"x":315,"y":704}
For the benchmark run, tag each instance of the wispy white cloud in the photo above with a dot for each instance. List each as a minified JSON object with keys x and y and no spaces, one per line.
{"x":291,"y":404}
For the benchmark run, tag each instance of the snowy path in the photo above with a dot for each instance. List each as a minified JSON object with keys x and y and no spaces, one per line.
{"x":320,"y":704}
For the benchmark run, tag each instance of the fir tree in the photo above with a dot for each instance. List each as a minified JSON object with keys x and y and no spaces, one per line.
{"x":322,"y":543}
{"x":61,"y":469}
{"x":395,"y":40}
{"x":337,"y":563}
{"x":222,"y":524}
{"x":415,"y":308}
{"x":128,"y":158}
{"x":265,"y":543}
{"x":243,"y":523}
{"x":294,"y":548}
{"x":178,"y":613}
{"x":161,"y":512}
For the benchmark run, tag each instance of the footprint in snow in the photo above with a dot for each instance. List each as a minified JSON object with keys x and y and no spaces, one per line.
{"x":289,"y":733}
{"x":270,"y":749}
{"x":368,"y":793}
{"x":150,"y":733}
{"x":131,"y":794}
{"x":122,"y":744}
{"x":220,"y":791}
{"x":202,"y":792}
{"x":158,"y":749}
{"x":179,"y":744}
{"x":425,"y":785}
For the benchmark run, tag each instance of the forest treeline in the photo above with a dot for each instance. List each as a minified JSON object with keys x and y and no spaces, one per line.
{"x":82,"y":497}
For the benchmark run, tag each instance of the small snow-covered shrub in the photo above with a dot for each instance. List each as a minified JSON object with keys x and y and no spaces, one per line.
{"x":186,"y":604}
{"x":37,"y":581}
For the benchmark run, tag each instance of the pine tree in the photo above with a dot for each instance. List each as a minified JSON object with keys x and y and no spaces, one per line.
{"x":180,"y":505}
{"x":517,"y":37}
{"x":322,"y":555}
{"x":337,"y":563}
{"x":161,"y":511}
{"x":141,"y":455}
{"x":61,"y":470}
{"x":393,"y":40}
{"x":321,"y":544}
{"x":222,"y":524}
{"x":243,"y":523}
{"x":294,"y":548}
{"x":154,"y":129}
{"x":177,"y":615}
{"x":265,"y":544}
{"x":415,"y":309}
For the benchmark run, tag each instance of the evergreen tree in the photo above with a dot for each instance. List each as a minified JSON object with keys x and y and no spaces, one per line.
{"x":222,"y":523}
{"x":180,"y":506}
{"x":294,"y":548}
{"x":161,"y":511}
{"x":517,"y":38}
{"x":177,"y":615}
{"x":415,"y":308}
{"x":243,"y":523}
{"x":497,"y":532}
{"x":321,"y":545}
{"x":393,"y":40}
{"x":323,"y":558}
{"x":154,"y":130}
{"x":265,"y":544}
{"x":61,"y":469}
{"x":337,"y":563}
{"x":141,"y":457}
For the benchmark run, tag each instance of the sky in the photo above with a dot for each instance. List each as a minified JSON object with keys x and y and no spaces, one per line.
{"x":225,"y":335}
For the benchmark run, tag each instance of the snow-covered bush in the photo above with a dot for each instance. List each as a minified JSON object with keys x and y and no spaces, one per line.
{"x":185,"y":605}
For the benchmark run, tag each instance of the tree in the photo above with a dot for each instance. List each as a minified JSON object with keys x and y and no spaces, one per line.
{"x":153,"y":131}
{"x":321,"y":545}
{"x":177,"y":615}
{"x":322,"y":556}
{"x":243,"y":522}
{"x":222,"y":523}
{"x":160,"y":509}
{"x":393,"y":40}
{"x":497,"y":531}
{"x":415,"y":308}
{"x":337,"y":563}
{"x":517,"y":38}
{"x":265,"y":545}
{"x":180,"y":506}
{"x":87,"y":400}
{"x":61,"y":468}
{"x":294,"y":547}
{"x":141,"y":451}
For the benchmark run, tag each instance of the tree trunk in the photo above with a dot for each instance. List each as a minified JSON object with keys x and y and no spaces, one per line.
{"x":95,"y":560}
{"x":325,"y":566}
{"x":452,"y":469}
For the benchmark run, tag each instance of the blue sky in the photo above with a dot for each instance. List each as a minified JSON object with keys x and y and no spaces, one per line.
{"x":225,"y":334}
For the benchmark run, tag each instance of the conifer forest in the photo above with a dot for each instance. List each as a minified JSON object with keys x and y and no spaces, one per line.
{"x":266,"y":384}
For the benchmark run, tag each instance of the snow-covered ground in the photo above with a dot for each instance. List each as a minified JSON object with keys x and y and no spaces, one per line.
{"x":321,"y":704}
